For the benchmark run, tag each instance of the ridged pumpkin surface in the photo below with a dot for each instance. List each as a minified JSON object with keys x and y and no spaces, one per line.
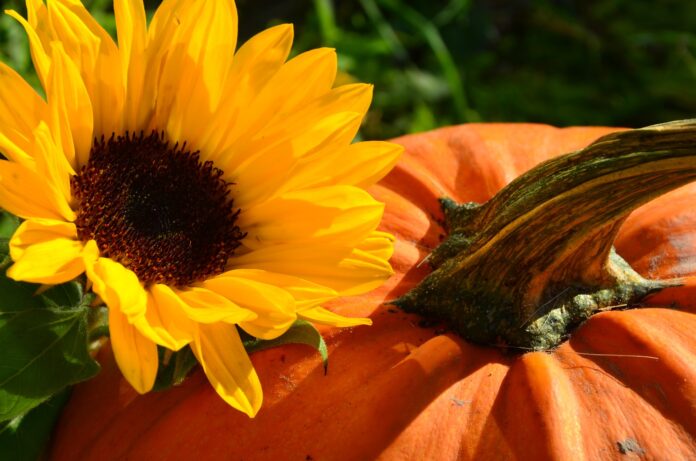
{"x":623,"y":387}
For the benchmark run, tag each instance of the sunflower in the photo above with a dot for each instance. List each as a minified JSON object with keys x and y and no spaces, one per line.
{"x":200,"y":190}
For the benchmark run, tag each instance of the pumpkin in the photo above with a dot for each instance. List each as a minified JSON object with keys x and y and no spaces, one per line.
{"x":410,"y":388}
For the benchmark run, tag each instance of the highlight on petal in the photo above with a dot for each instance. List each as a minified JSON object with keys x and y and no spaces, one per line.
{"x":42,"y":61}
{"x":51,"y":164}
{"x":220,"y":351}
{"x":378,"y":244}
{"x":274,"y":307}
{"x":306,"y":294}
{"x":205,"y":306}
{"x":349,"y":271}
{"x":18,"y":121}
{"x":195,"y":69}
{"x":254,"y":64}
{"x":359,"y":273}
{"x":135,"y":354}
{"x":255,"y":177}
{"x":353,"y":97}
{"x":70,"y":108}
{"x":121,"y":291}
{"x":36,"y":12}
{"x":131,"y":28}
{"x":118,"y":286}
{"x":361,"y":164}
{"x":336,"y":213}
{"x":94,"y":53}
{"x":330,"y":120}
{"x":46,"y":251}
{"x":310,"y":74}
{"x":165,"y":322}
{"x":326,"y":317}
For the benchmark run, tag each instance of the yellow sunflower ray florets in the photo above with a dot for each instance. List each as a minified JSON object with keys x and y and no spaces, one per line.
{"x":201,"y":190}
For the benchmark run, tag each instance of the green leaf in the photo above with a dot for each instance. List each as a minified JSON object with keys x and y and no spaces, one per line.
{"x":18,"y":295}
{"x":43,"y":337}
{"x":25,"y":437}
{"x":66,"y":294}
{"x":44,"y":350}
{"x":173,"y":367}
{"x":301,"y":332}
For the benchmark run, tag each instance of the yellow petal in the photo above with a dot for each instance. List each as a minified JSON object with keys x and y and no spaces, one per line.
{"x":219,"y":350}
{"x":195,"y":70}
{"x":36,"y":12}
{"x":164,"y":20}
{"x":131,"y":27}
{"x":252,"y":67}
{"x":95,"y":54}
{"x":156,"y":321}
{"x":346,"y":99}
{"x":260,"y":58}
{"x":33,"y":231}
{"x":361,"y":164}
{"x":46,"y":251}
{"x":202,"y":305}
{"x":165,"y":322}
{"x":326,"y":317}
{"x":328,"y":134}
{"x":51,"y":164}
{"x":339,"y":213}
{"x":42,"y":62}
{"x":357,"y":274}
{"x":70,"y":108}
{"x":17,"y":121}
{"x":162,"y":28}
{"x":323,"y":125}
{"x":309,"y":74}
{"x":274,"y":307}
{"x":306,"y":293}
{"x":90,"y":253}
{"x":347,"y":270}
{"x":25,"y":193}
{"x":379,"y":244}
{"x":119,"y":287}
{"x":135,"y":355}
{"x":261,"y":177}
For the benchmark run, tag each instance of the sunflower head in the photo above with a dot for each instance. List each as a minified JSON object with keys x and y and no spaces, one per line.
{"x":157,"y":209}
{"x":202,"y":191}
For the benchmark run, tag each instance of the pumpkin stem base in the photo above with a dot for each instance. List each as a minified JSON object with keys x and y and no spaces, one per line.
{"x":536,"y":260}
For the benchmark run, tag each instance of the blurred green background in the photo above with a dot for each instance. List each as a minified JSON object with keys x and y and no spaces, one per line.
{"x":440,"y":62}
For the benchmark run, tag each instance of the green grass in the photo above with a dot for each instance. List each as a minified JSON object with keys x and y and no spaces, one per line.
{"x":435,"y":63}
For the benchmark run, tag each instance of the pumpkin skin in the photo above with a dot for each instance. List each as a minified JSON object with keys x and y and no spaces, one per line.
{"x":623,"y":387}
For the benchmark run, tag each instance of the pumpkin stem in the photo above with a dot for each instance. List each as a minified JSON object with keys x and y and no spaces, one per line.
{"x":536,"y":260}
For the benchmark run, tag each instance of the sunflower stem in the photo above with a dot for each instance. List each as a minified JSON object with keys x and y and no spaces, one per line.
{"x":535,"y":261}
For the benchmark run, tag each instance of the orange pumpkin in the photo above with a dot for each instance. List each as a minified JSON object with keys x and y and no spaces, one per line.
{"x":623,"y":385}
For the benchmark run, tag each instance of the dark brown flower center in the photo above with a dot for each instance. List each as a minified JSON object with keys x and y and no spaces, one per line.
{"x":156,"y":209}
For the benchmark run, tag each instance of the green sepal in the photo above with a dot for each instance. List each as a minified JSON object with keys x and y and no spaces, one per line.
{"x":173,"y":367}
{"x":8,"y":225}
{"x":301,"y":332}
